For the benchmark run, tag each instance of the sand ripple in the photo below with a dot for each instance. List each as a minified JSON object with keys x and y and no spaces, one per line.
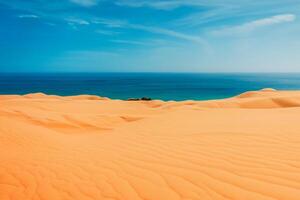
{"x":91,"y":148}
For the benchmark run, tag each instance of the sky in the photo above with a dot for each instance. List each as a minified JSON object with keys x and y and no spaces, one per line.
{"x":150,"y":36}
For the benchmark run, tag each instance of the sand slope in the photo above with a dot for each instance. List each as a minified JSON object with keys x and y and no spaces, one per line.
{"x":92,"y":148}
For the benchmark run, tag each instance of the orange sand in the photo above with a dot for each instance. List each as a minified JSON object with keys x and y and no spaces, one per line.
{"x":92,"y":148}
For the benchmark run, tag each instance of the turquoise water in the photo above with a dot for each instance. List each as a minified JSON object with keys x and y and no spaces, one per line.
{"x":165,"y":86}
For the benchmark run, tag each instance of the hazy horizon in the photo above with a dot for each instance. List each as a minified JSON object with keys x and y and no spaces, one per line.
{"x":179,"y":36}
{"x":149,"y":72}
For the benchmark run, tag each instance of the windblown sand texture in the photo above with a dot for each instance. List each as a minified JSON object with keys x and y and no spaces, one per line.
{"x":91,"y":148}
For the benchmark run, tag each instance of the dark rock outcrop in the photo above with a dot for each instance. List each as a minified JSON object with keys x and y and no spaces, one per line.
{"x":140,"y":99}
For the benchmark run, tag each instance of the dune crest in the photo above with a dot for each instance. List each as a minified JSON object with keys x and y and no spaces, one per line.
{"x":92,"y":148}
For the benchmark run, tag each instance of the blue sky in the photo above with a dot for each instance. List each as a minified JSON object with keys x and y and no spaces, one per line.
{"x":150,"y":35}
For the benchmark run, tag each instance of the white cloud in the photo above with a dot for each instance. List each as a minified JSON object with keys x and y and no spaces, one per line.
{"x":151,"y":29}
{"x":112,"y":23}
{"x":208,"y":4}
{"x":162,"y":5}
{"x":77,"y":21}
{"x":148,"y":42}
{"x":28,"y":16}
{"x":106,"y":32}
{"x":85,"y":3}
{"x":253,"y":25}
{"x":168,"y":32}
{"x":130,"y":42}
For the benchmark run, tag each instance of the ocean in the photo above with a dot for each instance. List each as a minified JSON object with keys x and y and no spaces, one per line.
{"x":164,"y":86}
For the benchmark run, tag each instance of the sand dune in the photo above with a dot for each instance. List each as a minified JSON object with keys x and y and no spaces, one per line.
{"x":92,"y":148}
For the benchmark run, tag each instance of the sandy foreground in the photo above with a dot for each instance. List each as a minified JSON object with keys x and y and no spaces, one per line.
{"x":91,"y":148}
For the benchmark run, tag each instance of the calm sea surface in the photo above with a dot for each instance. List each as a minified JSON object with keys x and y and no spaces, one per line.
{"x":165,"y":86}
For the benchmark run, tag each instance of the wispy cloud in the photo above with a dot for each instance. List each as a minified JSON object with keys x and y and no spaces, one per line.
{"x":85,"y":3}
{"x":107,"y":32}
{"x":28,"y":16}
{"x":151,"y":29}
{"x":214,"y":11}
{"x":253,"y":25}
{"x":147,"y":42}
{"x":168,"y":32}
{"x":162,"y":4}
{"x":243,"y":5}
{"x":132,"y":42}
{"x":111,"y":23}
{"x":77,"y":21}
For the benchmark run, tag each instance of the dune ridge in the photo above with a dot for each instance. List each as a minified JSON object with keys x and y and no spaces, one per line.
{"x":92,"y":148}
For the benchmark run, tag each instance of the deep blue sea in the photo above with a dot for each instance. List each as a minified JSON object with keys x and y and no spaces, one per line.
{"x":165,"y":86}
